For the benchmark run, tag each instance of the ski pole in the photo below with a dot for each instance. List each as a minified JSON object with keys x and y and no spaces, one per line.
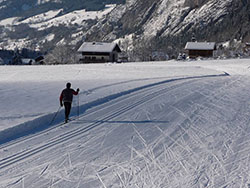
{"x":55,"y":116}
{"x":78,"y":108}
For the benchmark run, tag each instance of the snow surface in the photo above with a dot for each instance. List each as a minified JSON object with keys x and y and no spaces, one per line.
{"x":9,"y":21}
{"x":42,"y":17}
{"x":153,"y":124}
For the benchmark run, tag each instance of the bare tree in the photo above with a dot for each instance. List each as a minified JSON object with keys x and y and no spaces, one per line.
{"x":143,"y":49}
{"x":62,"y":54}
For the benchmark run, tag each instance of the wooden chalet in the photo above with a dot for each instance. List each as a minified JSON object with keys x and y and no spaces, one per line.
{"x":200,"y":49}
{"x":98,"y":52}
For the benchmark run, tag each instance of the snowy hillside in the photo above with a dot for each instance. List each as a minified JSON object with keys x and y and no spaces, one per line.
{"x":180,"y":17}
{"x":155,"y":124}
{"x":51,"y":18}
{"x":169,"y":24}
{"x":45,"y":22}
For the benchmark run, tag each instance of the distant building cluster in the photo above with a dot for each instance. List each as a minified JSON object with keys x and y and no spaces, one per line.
{"x":23,"y":57}
{"x":103,"y":52}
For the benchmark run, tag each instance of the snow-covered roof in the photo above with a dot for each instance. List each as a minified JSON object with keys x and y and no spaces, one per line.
{"x":98,"y":47}
{"x":200,"y":46}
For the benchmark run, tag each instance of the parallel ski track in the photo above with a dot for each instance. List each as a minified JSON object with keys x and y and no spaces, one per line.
{"x":137,"y":90}
{"x":79,"y":131}
{"x":91,"y":111}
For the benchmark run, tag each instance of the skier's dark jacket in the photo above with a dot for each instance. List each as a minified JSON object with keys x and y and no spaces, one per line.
{"x":67,"y":95}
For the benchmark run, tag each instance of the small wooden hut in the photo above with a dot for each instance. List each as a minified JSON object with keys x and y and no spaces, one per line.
{"x":200,"y":49}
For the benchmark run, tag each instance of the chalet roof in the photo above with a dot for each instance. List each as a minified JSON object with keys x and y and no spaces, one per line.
{"x":99,"y":47}
{"x":200,"y":46}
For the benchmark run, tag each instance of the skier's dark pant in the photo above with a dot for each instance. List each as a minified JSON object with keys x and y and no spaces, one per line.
{"x":67,"y":106}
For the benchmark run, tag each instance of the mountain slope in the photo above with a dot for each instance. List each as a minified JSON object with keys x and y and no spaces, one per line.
{"x":161,"y":24}
{"x":218,"y":20}
{"x":27,"y":8}
{"x":48,"y":29}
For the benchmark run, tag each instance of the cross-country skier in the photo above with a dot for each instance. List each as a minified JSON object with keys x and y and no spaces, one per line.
{"x":66,"y":99}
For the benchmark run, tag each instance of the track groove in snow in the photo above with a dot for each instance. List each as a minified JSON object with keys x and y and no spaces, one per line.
{"x":65,"y":137}
{"x":44,"y":122}
{"x":153,"y":92}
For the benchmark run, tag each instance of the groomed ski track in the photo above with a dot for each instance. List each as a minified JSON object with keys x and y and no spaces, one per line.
{"x":199,"y":136}
{"x":147,"y":94}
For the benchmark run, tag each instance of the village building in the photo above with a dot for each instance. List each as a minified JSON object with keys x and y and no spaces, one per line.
{"x":98,"y":52}
{"x":200,"y":49}
{"x":247,"y":47}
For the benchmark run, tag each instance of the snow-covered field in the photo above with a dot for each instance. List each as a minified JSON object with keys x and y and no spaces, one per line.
{"x":153,"y":124}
